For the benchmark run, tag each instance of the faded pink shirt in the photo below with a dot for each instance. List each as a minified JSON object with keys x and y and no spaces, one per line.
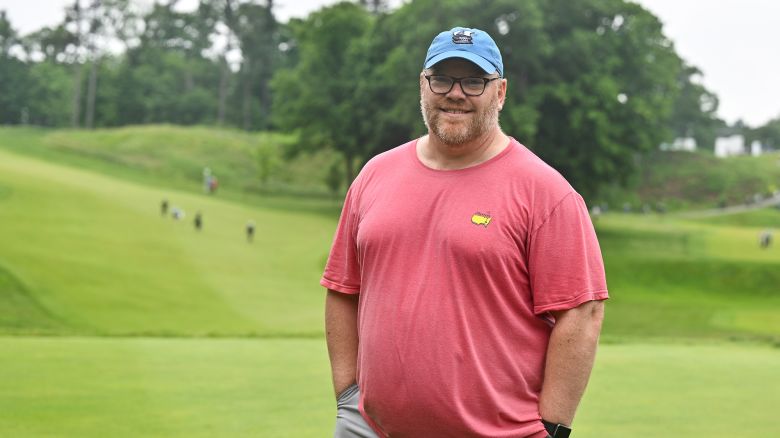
{"x":457,"y":271}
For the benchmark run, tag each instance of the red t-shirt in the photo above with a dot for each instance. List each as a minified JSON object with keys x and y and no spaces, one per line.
{"x":457,"y":271}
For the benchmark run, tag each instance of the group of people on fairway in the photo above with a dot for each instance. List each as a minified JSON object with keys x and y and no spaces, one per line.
{"x":177,"y":213}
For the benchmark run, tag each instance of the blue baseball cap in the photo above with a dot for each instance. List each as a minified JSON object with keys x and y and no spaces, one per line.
{"x":471,"y":44}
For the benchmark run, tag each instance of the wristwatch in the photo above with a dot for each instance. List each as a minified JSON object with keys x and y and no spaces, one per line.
{"x":557,"y":430}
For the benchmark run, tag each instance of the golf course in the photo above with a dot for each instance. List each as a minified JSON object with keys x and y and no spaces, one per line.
{"x":118,"y":320}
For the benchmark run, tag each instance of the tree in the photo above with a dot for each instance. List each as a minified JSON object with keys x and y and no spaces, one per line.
{"x":222,"y":16}
{"x":108,"y":21}
{"x":8,"y":37}
{"x":318,"y":98}
{"x":608,"y":89}
{"x":95,"y":28}
{"x":769,"y":133}
{"x":14,"y":74}
{"x":48,"y":93}
{"x":49,"y":44}
{"x":257,"y":33}
{"x":44,"y":82}
{"x":166,"y":77}
{"x":74,"y":22}
{"x":694,"y":112}
{"x":375,"y":6}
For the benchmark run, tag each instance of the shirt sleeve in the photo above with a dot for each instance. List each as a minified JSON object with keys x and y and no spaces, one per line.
{"x":342,"y":271}
{"x":564,"y":259}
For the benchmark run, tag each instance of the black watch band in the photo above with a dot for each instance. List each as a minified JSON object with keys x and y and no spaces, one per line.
{"x":557,"y":430}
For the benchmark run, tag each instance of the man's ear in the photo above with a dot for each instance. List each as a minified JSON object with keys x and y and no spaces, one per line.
{"x":502,"y":93}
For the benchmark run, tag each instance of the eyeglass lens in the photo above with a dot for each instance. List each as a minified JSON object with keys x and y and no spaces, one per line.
{"x":443,"y":84}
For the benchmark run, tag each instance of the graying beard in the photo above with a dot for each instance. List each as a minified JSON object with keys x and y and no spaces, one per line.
{"x":459,"y":139}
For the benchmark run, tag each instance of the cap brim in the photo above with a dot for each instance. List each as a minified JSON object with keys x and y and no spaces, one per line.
{"x":476,"y":59}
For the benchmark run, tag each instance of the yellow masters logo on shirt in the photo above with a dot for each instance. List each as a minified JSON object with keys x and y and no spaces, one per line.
{"x":481,"y":219}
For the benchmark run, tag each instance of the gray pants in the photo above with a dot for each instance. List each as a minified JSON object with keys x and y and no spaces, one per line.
{"x":349,"y":422}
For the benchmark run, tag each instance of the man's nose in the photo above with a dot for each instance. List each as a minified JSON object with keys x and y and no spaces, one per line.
{"x":456,"y":92}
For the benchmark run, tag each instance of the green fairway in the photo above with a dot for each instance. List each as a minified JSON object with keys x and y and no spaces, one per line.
{"x":280,"y":388}
{"x":132,"y":303}
{"x":678,"y":390}
{"x":84,"y":253}
{"x":764,"y":218}
{"x":96,"y":255}
{"x":174,"y":156}
{"x":93,"y":387}
{"x":681,"y":279}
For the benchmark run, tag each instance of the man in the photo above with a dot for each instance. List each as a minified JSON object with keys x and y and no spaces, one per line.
{"x":198,"y":221}
{"x":465,"y":282}
{"x":250,"y":230}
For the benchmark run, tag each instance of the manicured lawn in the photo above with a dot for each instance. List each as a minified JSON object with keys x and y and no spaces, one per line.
{"x":129,"y":387}
{"x":680,"y":279}
{"x":155,"y":329}
{"x":682,"y":390}
{"x":98,"y":387}
{"x":84,"y":253}
{"x":95,"y":255}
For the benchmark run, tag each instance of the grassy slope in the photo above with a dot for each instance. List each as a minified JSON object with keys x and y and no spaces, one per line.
{"x":279,"y":388}
{"x":673,"y":278}
{"x":768,"y":218}
{"x":20,"y":310}
{"x":700,"y":180}
{"x":95,"y":253}
{"x":175,"y":156}
{"x":93,"y":256}
{"x":85,"y":253}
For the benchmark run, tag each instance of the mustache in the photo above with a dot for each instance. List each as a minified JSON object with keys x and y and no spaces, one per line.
{"x":451,"y":100}
{"x":456,"y":104}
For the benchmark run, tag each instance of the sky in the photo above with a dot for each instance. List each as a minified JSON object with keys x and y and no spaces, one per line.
{"x":735,"y":43}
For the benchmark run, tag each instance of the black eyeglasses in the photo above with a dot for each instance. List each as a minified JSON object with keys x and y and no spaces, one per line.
{"x":442,"y":84}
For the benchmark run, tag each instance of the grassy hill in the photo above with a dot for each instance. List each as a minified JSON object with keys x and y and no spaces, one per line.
{"x":87,"y":260}
{"x":681,"y":180}
{"x":94,"y":255}
{"x":175,"y":156}
{"x":256,"y":163}
{"x":670,"y":277}
{"x":86,"y":252}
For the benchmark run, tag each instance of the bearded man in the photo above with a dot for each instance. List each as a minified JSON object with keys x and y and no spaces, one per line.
{"x":465,"y":281}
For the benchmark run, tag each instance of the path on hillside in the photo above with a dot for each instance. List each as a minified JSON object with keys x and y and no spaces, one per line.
{"x":734,"y":209}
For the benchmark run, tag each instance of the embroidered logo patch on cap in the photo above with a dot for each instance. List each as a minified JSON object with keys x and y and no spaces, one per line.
{"x":466,"y":43}
{"x":462,"y":37}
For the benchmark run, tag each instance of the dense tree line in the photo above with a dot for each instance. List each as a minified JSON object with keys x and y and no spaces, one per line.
{"x":108,"y":64}
{"x":592,"y":82}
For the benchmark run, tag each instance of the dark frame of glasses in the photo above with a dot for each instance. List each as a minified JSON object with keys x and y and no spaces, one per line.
{"x":459,"y":82}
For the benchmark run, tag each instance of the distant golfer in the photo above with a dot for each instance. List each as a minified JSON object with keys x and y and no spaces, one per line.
{"x":213,"y":184}
{"x":250,"y":231}
{"x":206,"y":180}
{"x":164,"y":207}
{"x":198,"y":221}
{"x":177,"y":213}
{"x":765,"y":239}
